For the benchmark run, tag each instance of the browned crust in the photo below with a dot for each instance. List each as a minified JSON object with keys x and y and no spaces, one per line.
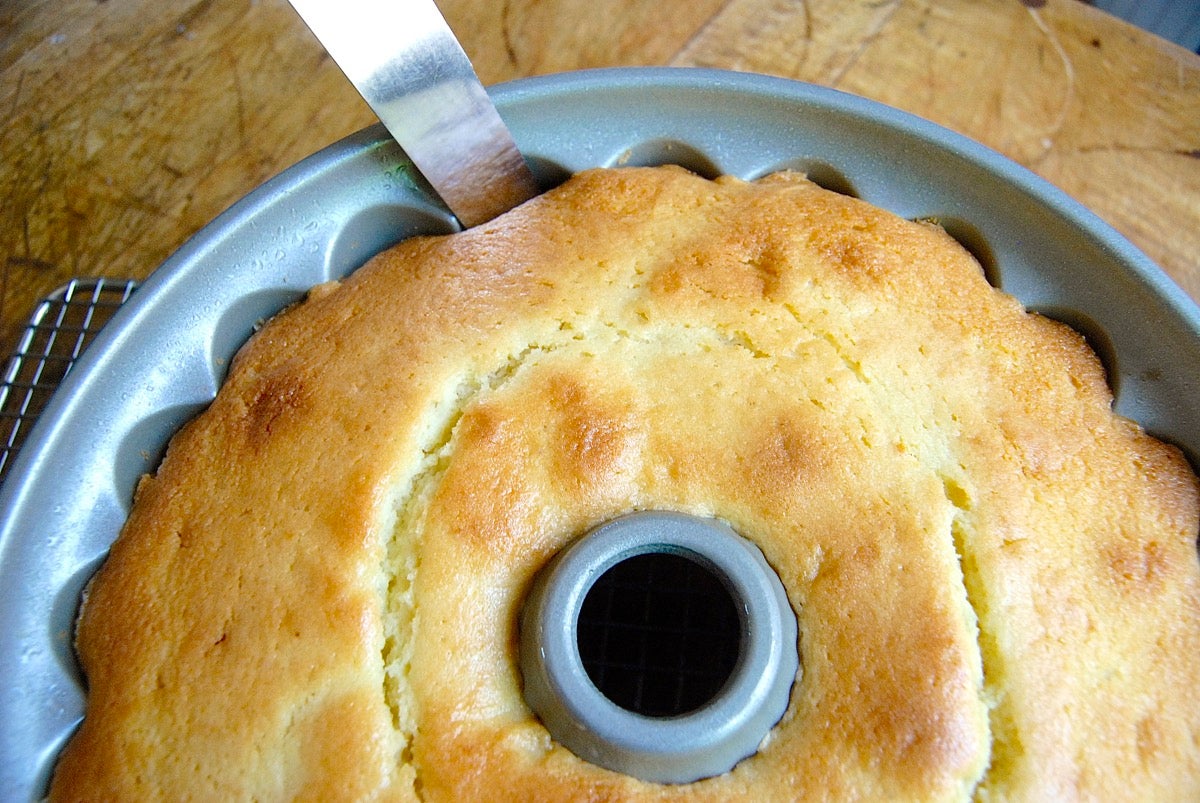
{"x":996,"y":579}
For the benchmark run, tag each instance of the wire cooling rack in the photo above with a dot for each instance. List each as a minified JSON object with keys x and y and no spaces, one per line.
{"x":59,"y":330}
{"x":659,"y":635}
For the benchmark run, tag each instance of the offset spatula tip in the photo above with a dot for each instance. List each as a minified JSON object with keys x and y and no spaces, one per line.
{"x":405,"y":61}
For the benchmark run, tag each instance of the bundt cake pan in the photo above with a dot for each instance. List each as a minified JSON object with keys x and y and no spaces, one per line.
{"x":163,"y":356}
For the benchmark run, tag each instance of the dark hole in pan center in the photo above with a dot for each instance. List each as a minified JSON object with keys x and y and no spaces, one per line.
{"x":659,"y":634}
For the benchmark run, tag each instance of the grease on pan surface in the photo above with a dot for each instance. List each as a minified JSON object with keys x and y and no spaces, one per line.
{"x":995,"y":578}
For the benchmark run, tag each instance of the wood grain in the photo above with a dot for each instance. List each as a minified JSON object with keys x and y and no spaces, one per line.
{"x":130,"y":124}
{"x":128,"y":133}
{"x":1107,"y":113}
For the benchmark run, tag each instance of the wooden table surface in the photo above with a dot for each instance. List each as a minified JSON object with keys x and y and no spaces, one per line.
{"x":131,"y":123}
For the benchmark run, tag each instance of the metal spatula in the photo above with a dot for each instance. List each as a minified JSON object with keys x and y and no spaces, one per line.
{"x":407,"y":64}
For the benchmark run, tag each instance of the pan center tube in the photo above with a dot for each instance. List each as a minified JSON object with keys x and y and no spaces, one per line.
{"x":660,"y":645}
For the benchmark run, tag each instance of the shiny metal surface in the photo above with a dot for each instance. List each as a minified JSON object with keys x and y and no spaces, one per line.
{"x":681,"y":748}
{"x":407,"y":64}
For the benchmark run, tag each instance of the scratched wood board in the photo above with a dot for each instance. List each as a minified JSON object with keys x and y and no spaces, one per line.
{"x":1107,"y":113}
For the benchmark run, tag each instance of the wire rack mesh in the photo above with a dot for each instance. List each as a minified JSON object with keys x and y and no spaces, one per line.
{"x":659,"y":635}
{"x":61,"y":327}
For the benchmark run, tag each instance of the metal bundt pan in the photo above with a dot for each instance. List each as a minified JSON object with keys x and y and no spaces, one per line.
{"x":162,"y":358}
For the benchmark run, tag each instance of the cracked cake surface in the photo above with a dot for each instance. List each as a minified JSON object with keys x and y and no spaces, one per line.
{"x":995,"y":578}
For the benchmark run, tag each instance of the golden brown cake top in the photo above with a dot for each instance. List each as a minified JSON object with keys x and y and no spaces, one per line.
{"x":995,"y":578}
